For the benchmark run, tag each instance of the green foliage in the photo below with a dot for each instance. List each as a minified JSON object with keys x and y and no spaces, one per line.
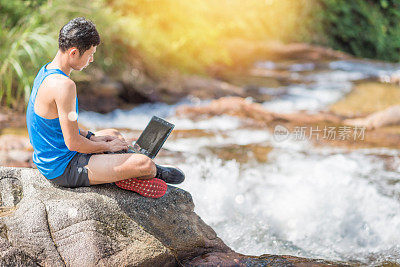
{"x":24,"y":42}
{"x":13,"y":11}
{"x":28,"y":40}
{"x":364,"y":28}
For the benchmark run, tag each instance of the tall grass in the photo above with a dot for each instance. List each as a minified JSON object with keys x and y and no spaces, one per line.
{"x":29,"y":39}
{"x":22,"y":46}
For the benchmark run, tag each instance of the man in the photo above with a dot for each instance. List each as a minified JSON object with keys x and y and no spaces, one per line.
{"x":63,"y":153}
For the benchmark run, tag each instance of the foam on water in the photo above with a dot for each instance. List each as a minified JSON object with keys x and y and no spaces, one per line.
{"x":321,"y":202}
{"x":138,"y":117}
{"x":325,"y":88}
{"x":370,"y":68}
{"x":326,"y":84}
{"x":308,"y":97}
{"x":294,"y":205}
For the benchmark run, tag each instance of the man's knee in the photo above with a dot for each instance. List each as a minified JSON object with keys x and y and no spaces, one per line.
{"x":114,"y":132}
{"x":146,"y":165}
{"x":111,"y":131}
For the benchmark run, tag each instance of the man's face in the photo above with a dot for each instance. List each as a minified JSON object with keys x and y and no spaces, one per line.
{"x":79,"y":62}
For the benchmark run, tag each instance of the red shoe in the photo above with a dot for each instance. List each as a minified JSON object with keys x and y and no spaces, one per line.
{"x":153,"y":188}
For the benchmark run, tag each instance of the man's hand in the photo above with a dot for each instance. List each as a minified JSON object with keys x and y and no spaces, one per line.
{"x":105,"y":138}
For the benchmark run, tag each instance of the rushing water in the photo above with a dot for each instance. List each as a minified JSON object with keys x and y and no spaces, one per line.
{"x":329,"y":203}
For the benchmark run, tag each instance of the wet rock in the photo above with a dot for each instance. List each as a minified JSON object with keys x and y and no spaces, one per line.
{"x":286,"y":260}
{"x":303,"y":51}
{"x":97,"y":103}
{"x":393,"y":78}
{"x":177,"y":86}
{"x":244,"y":53}
{"x":387,"y":117}
{"x":138,"y":86}
{"x":367,"y":98}
{"x":260,"y":117}
{"x":242,"y":153}
{"x":243,"y":108}
{"x":190,"y":133}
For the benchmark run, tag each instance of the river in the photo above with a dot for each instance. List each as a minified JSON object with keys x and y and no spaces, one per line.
{"x":264,"y":195}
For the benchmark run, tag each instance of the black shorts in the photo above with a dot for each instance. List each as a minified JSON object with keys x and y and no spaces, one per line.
{"x":76,"y":172}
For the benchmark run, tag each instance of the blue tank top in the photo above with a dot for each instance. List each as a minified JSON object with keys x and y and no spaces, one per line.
{"x":51,"y":155}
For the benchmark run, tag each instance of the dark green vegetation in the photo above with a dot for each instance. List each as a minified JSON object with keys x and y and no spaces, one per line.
{"x":365,"y":28}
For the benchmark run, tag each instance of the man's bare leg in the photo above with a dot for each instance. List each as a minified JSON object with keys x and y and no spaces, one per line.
{"x":113,"y":132}
{"x":103,"y":169}
{"x":108,"y":168}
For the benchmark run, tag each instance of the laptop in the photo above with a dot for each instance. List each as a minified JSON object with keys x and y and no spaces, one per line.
{"x":153,"y":137}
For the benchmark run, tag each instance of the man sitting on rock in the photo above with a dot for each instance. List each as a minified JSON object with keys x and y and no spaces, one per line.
{"x":69,"y":156}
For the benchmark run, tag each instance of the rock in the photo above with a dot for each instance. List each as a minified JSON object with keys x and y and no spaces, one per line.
{"x":255,"y":114}
{"x":3,"y":117}
{"x":15,"y":151}
{"x":10,"y":142}
{"x":392,"y":78}
{"x":367,"y":98}
{"x":107,"y":226}
{"x":244,"y":53}
{"x":53,"y":225}
{"x":108,"y":89}
{"x":207,"y":88}
{"x":102,"y":94}
{"x":244,"y":108}
{"x":12,"y":118}
{"x":97,"y":103}
{"x":386,"y":117}
{"x":177,"y":86}
{"x":304,"y":51}
{"x":241,"y":153}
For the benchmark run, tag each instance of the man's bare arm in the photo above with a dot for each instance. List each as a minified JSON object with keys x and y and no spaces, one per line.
{"x":83,"y":132}
{"x":66,"y":107}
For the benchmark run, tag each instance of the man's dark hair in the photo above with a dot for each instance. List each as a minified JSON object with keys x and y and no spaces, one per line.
{"x":80,"y":33}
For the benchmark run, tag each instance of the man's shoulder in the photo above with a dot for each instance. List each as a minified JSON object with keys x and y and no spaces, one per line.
{"x":59,"y":81}
{"x":63,"y":86}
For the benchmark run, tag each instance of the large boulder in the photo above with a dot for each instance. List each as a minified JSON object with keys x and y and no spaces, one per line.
{"x":100,"y":225}
{"x":103,"y":225}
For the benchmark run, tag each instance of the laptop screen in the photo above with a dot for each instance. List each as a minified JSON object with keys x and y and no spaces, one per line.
{"x":153,"y":137}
